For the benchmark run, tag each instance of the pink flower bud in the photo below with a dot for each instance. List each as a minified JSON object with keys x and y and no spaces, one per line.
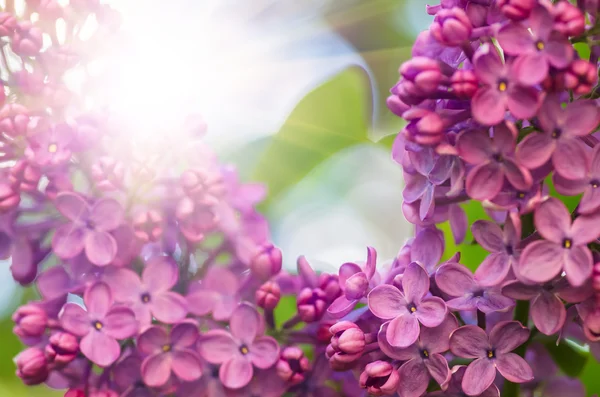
{"x":312,"y":304}
{"x":148,"y":225}
{"x":25,"y":176}
{"x":379,"y":378}
{"x":568,"y":19}
{"x":424,"y":72}
{"x":425,"y":127}
{"x":267,"y":262}
{"x":62,"y":349}
{"x":14,"y":119}
{"x":591,"y":325}
{"x":32,"y":366}
{"x":451,"y":27}
{"x":108,"y":174}
{"x":395,"y":104}
{"x":8,"y":23}
{"x":517,"y":10}
{"x":268,"y":295}
{"x":27,"y":40}
{"x":292,"y":365}
{"x":581,"y":76}
{"x":464,"y":83}
{"x":30,"y":322}
{"x":202,"y":185}
{"x":330,"y":284}
{"x":347,"y":338}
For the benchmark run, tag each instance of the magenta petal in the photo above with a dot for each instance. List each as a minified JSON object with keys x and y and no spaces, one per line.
{"x":397,"y":353}
{"x":306,"y":272}
{"x":487,"y":63}
{"x":156,"y":369}
{"x":514,"y":368}
{"x":53,"y":282}
{"x":570,"y":159}
{"x":578,"y":265}
{"x":541,"y":261}
{"x":341,"y":306}
{"x":488,"y":235}
{"x":68,"y":241}
{"x":120,"y":323}
{"x":508,"y":335}
{"x":437,"y":366}
{"x":553,"y":220}
{"x":474,"y":147}
{"x":523,"y":102}
{"x":72,"y":206}
{"x":590,"y":201}
{"x":184,"y":334}
{"x":244,"y":323}
{"x":469,"y":341}
{"x":415,"y":187}
{"x":414,"y":379}
{"x":264,"y":352}
{"x":559,"y":51}
{"x":186,"y":365}
{"x":403,"y":331}
{"x":484,"y":181}
{"x":124,"y":283}
{"x":98,"y":299}
{"x":530,"y":69}
{"x":494,"y":301}
{"x":100,"y":348}
{"x":152,"y":340}
{"x":387,"y":302}
{"x":519,"y":177}
{"x":493,"y":270}
{"x":585,"y":229}
{"x":370,"y":265}
{"x":479,"y":376}
{"x":488,"y":106}
{"x":236,"y":373}
{"x":569,"y":187}
{"x":106,"y":214}
{"x":100,"y":248}
{"x":455,"y":280}
{"x":217,"y":346}
{"x":160,"y":274}
{"x":202,"y":302}
{"x":347,"y":270}
{"x":437,"y":339}
{"x":415,"y":283}
{"x":535,"y":150}
{"x":431,"y":311}
{"x":548,"y":313}
{"x":169,"y":307}
{"x":515,"y":39}
{"x":75,"y":319}
{"x":582,"y":117}
{"x":463,"y":303}
{"x":517,"y":290}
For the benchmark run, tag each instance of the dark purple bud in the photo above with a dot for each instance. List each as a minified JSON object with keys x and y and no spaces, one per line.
{"x":8,"y":23}
{"x":32,"y":366}
{"x":148,"y":225}
{"x":292,"y":365}
{"x":464,"y":83}
{"x":30,"y":321}
{"x":267,"y":262}
{"x":379,"y":378}
{"x":568,"y":19}
{"x":356,"y":286}
{"x":581,"y":76}
{"x":25,"y":176}
{"x":203,"y":186}
{"x":395,"y":104}
{"x":425,"y":73}
{"x":27,"y":40}
{"x":9,"y":197}
{"x":312,"y":304}
{"x":62,"y":349}
{"x":451,"y":27}
{"x":108,"y":174}
{"x":330,"y":284}
{"x":517,"y":10}
{"x":347,"y":338}
{"x":323,"y":333}
{"x":268,"y":295}
{"x":14,"y":119}
{"x":424,"y":126}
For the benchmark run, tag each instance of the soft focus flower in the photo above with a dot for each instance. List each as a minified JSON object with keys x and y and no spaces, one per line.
{"x":216,"y":294}
{"x":454,"y":388}
{"x":380,"y":378}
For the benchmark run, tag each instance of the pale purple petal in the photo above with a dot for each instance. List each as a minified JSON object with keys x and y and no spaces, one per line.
{"x":582,"y":117}
{"x":186,"y":365}
{"x":222,"y":280}
{"x":98,"y":300}
{"x":475,"y":147}
{"x":403,"y":331}
{"x":488,"y":235}
{"x":202,"y":302}
{"x":523,"y":102}
{"x":100,"y":348}
{"x":415,"y":187}
{"x":590,"y":201}
{"x":489,"y":105}
{"x":306,"y":272}
{"x":54,"y":282}
{"x":437,"y":366}
{"x":371,"y":262}
{"x":569,"y":159}
{"x":431,"y":311}
{"x":120,"y":323}
{"x":515,"y":39}
{"x":72,"y":206}
{"x":578,"y":265}
{"x":106,"y":214}
{"x":160,"y":274}
{"x":427,"y":202}
{"x":455,"y":280}
{"x":479,"y":376}
{"x":75,"y":319}
{"x":484,"y":181}
{"x":341,"y":306}
{"x":535,"y":150}
{"x":124,"y":283}
{"x":463,"y":303}
{"x":427,"y":248}
{"x":264,"y":352}
{"x":415,"y":283}
{"x":100,"y":248}
{"x":356,"y":286}
{"x":585,"y":229}
{"x":469,"y":341}
{"x":152,"y":340}
{"x":347,"y":270}
{"x":68,"y":241}
{"x":437,"y":339}
{"x":548,"y":313}
{"x":459,"y":223}
{"x":514,"y":368}
{"x":156,"y":369}
{"x":494,"y":301}
{"x":414,"y":379}
{"x":397,"y":353}
{"x":518,"y":176}
{"x":569,"y":187}
{"x":236,"y":373}
{"x":517,"y":290}
{"x":244,"y":323}
{"x":168,"y":307}
{"x":541,"y":261}
{"x":387,"y":302}
{"x":530,"y":69}
{"x":184,"y":334}
{"x":217,"y":346}
{"x":508,"y":335}
{"x":493,"y":270}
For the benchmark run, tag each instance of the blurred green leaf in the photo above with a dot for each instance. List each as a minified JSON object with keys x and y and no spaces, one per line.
{"x":285,"y":310}
{"x":569,"y":359}
{"x":590,"y":377}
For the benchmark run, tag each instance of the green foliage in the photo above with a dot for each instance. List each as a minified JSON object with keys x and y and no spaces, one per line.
{"x":570,"y":359}
{"x":285,"y":310}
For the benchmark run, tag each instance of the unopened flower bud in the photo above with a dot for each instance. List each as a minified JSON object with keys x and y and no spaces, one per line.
{"x":27,"y":39}
{"x":424,"y":72}
{"x":62,"y":349}
{"x":517,"y":10}
{"x":108,"y":174}
{"x":267,"y":262}
{"x":330,"y":284}
{"x":464,"y":83}
{"x":292,"y":365}
{"x":30,"y":83}
{"x":8,"y":23}
{"x":32,"y":366}
{"x":424,"y":126}
{"x":380,"y":379}
{"x":312,"y":304}
{"x":591,"y":325}
{"x":451,"y":27}
{"x":347,"y":338}
{"x":9,"y":197}
{"x":356,"y":286}
{"x":581,"y":76}
{"x":25,"y":176}
{"x":395,"y":104}
{"x":268,"y":295}
{"x":148,"y":225}
{"x":14,"y":120}
{"x":30,"y":321}
{"x":568,"y":19}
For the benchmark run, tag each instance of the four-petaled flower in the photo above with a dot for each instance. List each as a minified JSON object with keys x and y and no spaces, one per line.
{"x":216,"y":294}
{"x":455,"y":386}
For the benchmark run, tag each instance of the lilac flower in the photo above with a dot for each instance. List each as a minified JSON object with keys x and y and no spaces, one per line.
{"x":564,"y":248}
{"x":88,"y":229}
{"x":354,"y":283}
{"x":588,"y":185}
{"x":408,"y":308}
{"x":127,"y":377}
{"x":454,"y":387}
{"x":561,"y":128}
{"x":503,"y":248}
{"x":547,"y":308}
{"x":240,"y":349}
{"x":458,"y":282}
{"x":264,"y":384}
{"x":152,"y":295}
{"x":539,"y":47}
{"x":51,"y":147}
{"x":216,"y":294}
{"x":100,"y":326}
{"x":501,"y":89}
{"x":490,"y":353}
{"x":493,"y":158}
{"x":427,"y":248}
{"x":380,"y":378}
{"x":424,"y":359}
{"x":170,"y":352}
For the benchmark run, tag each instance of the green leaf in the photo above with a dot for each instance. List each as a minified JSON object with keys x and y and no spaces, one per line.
{"x":285,"y":310}
{"x":570,"y":358}
{"x":332,"y":117}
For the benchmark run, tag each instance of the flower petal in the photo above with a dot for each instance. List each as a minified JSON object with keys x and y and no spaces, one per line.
{"x":106,"y":214}
{"x":552,"y":220}
{"x":186,"y":365}
{"x":514,"y":368}
{"x":72,"y":206}
{"x":530,"y":69}
{"x":459,"y":223}
{"x":475,"y":147}
{"x":397,"y":353}
{"x":169,"y":307}
{"x":515,"y":39}
{"x":403,"y":331}
{"x":386,"y":302}
{"x":244,"y":323}
{"x":535,"y":150}
{"x":152,"y":340}
{"x":582,"y":117}
{"x":569,"y":187}
{"x":100,"y":348}
{"x":415,"y":283}
{"x":479,"y":376}
{"x":370,"y":265}
{"x":68,"y":241}
{"x":548,"y":313}
{"x":541,"y":261}
{"x":160,"y":274}
{"x":484,"y":181}
{"x":517,"y":290}
{"x":184,"y":334}
{"x":508,"y":335}
{"x":487,"y":64}
{"x":585,"y":229}
{"x":578,"y":265}
{"x":341,"y":307}
{"x":570,"y":159}
{"x":124,"y":283}
{"x":469,"y":341}
{"x":217,"y":346}
{"x":120,"y":323}
{"x":202,"y":302}
{"x":489,"y":106}
{"x":264,"y":352}
{"x":98,"y":300}
{"x":494,"y":301}
{"x":347,"y":270}
{"x":455,"y":280}
{"x":488,"y":235}
{"x":522,"y":102}
{"x":518,"y":176}
{"x":437,"y":366}
{"x":156,"y":369}
{"x":427,"y":248}
{"x":431,"y":311}
{"x":493,"y":270}
{"x":75,"y":319}
{"x":463,"y":303}
{"x":236,"y":373}
{"x":437,"y":339}
{"x":414,"y":379}
{"x":590,"y":201}
{"x":100,"y":248}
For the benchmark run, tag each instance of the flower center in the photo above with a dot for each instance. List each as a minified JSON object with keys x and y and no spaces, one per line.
{"x":424,"y":353}
{"x":498,"y":157}
{"x":244,"y":350}
{"x":556,"y":133}
{"x":539,"y":45}
{"x":166,"y":348}
{"x":520,"y":195}
{"x":491,"y":354}
{"x":145,"y":297}
{"x":509,"y":249}
{"x":502,"y":85}
{"x":595,"y":183}
{"x":567,"y":243}
{"x":97,"y":325}
{"x":412,"y":308}
{"x":52,"y":148}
